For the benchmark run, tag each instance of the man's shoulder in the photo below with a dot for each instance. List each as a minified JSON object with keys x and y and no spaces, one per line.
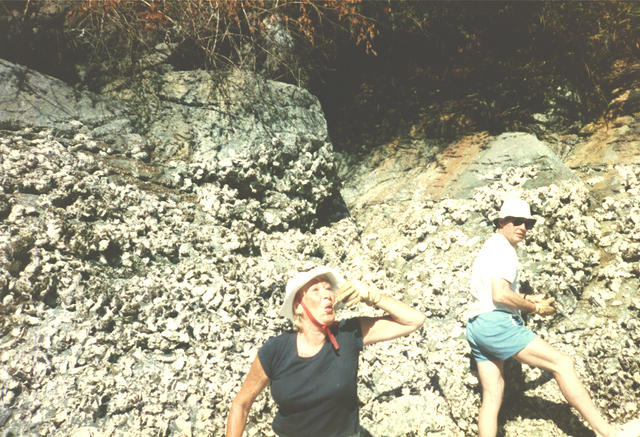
{"x":498,"y":240}
{"x":497,"y":244}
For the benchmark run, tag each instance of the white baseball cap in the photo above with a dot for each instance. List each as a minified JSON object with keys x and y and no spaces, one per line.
{"x":301,"y":279}
{"x":517,"y":208}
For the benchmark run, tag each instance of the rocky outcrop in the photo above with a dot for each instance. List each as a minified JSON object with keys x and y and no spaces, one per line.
{"x":211,"y":116}
{"x":137,"y":284}
{"x":31,"y":99}
{"x":427,"y":220}
{"x":265,"y":142}
{"x":112,"y":265}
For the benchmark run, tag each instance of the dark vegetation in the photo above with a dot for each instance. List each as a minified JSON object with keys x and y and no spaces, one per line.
{"x":381,"y":68}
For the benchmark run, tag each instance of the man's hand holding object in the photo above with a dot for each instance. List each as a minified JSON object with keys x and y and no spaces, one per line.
{"x":543,"y":306}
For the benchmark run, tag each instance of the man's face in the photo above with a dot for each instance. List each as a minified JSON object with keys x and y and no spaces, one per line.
{"x":514,"y":229}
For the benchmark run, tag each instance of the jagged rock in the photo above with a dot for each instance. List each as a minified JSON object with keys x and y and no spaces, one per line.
{"x":203,"y":116}
{"x":511,"y":150}
{"x":135,"y":293}
{"x":31,"y":99}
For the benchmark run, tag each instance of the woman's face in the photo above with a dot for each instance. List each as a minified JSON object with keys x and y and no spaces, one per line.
{"x":319,"y":298}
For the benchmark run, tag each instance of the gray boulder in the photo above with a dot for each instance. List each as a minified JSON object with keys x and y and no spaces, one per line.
{"x":262,"y":145}
{"x":32,"y":99}
{"x":511,"y":150}
{"x":208,"y":116}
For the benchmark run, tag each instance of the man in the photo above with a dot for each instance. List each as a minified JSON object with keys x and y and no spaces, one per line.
{"x":496,"y":332}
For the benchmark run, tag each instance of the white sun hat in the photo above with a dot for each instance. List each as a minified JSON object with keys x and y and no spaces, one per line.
{"x":301,"y":279}
{"x":514,"y":207}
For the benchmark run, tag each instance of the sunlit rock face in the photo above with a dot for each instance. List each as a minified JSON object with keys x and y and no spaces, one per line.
{"x":427,"y":208}
{"x":143,"y":261}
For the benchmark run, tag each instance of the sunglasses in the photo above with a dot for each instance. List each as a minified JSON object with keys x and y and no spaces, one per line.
{"x":517,"y":221}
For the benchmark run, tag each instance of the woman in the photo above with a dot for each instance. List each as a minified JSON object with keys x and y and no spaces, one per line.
{"x":313,"y":371}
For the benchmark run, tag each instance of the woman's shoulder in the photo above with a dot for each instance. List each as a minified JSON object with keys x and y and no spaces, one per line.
{"x":275,"y":351}
{"x":351,"y":325}
{"x":275,"y":346}
{"x":351,"y":331}
{"x":279,"y":339}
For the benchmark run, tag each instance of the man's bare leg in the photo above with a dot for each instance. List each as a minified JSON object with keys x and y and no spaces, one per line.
{"x":541,"y":354}
{"x":492,"y":382}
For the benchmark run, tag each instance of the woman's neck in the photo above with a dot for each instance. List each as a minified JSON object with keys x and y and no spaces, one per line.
{"x":312,"y":334}
{"x":310,"y":341}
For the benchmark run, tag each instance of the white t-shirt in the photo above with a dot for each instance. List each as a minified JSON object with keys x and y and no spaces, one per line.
{"x":496,"y":259}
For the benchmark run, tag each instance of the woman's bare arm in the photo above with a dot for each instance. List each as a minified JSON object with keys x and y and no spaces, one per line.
{"x":402,"y":320}
{"x":253,"y":384}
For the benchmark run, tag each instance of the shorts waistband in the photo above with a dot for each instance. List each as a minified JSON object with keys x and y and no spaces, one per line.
{"x":517,"y":316}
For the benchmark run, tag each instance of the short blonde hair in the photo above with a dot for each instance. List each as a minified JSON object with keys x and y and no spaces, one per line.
{"x":297,"y":315}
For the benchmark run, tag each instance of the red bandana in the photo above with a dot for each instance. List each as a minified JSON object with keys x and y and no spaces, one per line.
{"x":325,"y":328}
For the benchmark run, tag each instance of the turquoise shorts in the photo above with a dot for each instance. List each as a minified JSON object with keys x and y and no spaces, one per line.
{"x":497,"y":335}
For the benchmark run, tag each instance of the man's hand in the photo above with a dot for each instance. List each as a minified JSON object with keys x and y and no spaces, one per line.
{"x":534,"y":298}
{"x":543,"y":307}
{"x":353,"y":292}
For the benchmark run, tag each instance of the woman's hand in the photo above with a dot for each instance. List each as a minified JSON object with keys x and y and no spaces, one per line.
{"x":352,"y":292}
{"x":401,"y":319}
